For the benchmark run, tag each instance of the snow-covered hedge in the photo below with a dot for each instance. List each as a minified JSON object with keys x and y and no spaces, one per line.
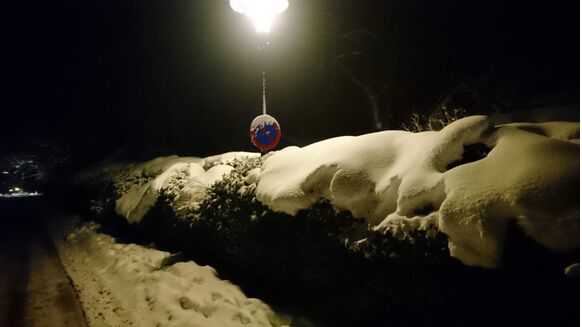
{"x":468,"y":181}
{"x":388,"y":207}
{"x":309,"y":258}
{"x":531,"y":176}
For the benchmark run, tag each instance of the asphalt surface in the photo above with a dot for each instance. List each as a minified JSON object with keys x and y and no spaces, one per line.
{"x":34,"y":288}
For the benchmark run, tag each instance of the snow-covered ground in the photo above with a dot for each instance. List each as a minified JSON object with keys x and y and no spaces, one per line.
{"x":129,"y":285}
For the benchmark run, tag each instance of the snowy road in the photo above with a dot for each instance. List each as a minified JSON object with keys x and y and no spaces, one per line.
{"x":34,"y":288}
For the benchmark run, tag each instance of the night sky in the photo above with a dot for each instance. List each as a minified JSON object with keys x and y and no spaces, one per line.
{"x":156,"y":77}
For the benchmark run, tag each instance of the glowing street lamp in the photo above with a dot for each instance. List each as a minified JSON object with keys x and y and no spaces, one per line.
{"x":262,"y":12}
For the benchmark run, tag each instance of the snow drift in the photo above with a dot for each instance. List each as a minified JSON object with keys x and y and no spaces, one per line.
{"x":398,"y":180}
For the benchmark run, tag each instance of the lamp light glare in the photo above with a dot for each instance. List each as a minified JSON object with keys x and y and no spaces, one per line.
{"x":262,"y":12}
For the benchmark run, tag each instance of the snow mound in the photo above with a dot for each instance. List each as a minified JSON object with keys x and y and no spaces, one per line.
{"x":127,"y":284}
{"x":185,"y":178}
{"x":531,"y":176}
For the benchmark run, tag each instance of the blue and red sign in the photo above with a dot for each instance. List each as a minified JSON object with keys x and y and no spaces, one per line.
{"x":265,"y":132}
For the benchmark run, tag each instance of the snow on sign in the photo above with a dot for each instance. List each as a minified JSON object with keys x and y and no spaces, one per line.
{"x":265,"y":132}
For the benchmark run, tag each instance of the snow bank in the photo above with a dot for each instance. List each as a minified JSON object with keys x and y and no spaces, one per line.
{"x":127,"y":284}
{"x":141,"y":184}
{"x":395,"y":178}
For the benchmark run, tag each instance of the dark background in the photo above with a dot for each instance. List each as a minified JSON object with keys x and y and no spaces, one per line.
{"x":155,"y":77}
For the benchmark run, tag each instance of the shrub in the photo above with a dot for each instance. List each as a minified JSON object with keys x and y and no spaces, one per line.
{"x":433,"y":121}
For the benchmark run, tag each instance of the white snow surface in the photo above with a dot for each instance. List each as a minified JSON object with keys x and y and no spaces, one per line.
{"x":399,"y":180}
{"x":128,"y":285}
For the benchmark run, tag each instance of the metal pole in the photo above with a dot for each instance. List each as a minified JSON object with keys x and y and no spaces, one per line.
{"x":264,"y":96}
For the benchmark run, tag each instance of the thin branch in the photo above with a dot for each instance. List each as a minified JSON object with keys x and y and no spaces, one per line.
{"x":386,"y":86}
{"x":355,"y":79}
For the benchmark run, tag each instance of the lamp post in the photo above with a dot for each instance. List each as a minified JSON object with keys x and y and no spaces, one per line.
{"x":264,"y":131}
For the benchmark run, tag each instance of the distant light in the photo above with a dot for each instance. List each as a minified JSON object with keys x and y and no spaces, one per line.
{"x":5,"y":172}
{"x":17,"y":189}
{"x":261,"y":12}
{"x":20,"y":194}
